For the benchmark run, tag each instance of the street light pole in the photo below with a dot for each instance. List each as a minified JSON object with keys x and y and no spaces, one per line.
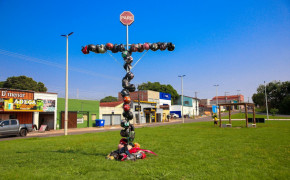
{"x":66,"y":86}
{"x":266,"y":101}
{"x":195,"y":103}
{"x":226,"y":98}
{"x":181,"y":76}
{"x":216,"y":85}
{"x":238,"y":98}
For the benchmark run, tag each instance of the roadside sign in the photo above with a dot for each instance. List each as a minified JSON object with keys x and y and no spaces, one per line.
{"x":126,"y":18}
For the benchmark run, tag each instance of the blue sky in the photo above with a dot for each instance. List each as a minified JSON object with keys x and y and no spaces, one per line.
{"x":236,"y":44}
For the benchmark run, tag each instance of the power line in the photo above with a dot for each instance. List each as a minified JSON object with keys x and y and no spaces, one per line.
{"x":60,"y":66}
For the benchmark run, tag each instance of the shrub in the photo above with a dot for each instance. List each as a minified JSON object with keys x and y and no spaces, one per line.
{"x":273,"y":111}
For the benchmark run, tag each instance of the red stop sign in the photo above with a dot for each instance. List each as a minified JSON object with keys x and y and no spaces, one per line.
{"x":127,"y":18}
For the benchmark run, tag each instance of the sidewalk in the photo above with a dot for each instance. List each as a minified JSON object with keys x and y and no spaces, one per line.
{"x":95,"y":129}
{"x":60,"y":132}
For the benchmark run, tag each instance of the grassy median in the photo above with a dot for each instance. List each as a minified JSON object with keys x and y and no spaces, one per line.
{"x":185,"y":151}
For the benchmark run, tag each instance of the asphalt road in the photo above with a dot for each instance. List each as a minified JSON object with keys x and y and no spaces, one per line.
{"x":75,"y":131}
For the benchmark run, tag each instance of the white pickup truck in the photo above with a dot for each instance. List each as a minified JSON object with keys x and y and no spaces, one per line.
{"x":12,"y":127}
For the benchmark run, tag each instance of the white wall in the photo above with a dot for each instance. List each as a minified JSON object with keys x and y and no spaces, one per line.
{"x":186,"y":110}
{"x":195,"y":103}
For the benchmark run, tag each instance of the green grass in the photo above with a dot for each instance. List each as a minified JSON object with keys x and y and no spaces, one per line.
{"x":185,"y":151}
{"x":250,"y":115}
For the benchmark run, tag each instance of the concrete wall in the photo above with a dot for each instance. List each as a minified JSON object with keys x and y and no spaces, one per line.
{"x":153,"y":96}
{"x":186,"y":110}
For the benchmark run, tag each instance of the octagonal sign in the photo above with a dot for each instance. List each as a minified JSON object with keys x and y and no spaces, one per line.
{"x":127,"y":18}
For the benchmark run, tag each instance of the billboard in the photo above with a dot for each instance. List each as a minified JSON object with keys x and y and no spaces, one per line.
{"x":48,"y":105}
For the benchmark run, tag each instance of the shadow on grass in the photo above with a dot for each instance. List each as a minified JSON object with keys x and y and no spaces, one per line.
{"x":63,"y":151}
{"x":71,"y":151}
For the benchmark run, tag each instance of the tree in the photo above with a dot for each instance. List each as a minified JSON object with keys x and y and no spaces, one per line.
{"x":109,"y":99}
{"x":156,"y":86}
{"x":23,"y":83}
{"x":278,"y":94}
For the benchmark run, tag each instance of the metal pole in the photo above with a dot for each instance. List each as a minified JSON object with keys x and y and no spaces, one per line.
{"x":216,"y":85}
{"x":66,"y":86}
{"x":182,"y":98}
{"x":195,"y":103}
{"x":238,"y":99}
{"x":127,"y":38}
{"x":266,"y":101}
{"x":139,"y":116}
{"x":66,"y":91}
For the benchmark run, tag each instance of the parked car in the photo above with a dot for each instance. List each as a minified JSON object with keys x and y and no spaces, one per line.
{"x":173,"y":115}
{"x":12,"y":127}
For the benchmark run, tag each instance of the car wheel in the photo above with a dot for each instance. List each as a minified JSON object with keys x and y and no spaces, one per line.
{"x":23,"y":132}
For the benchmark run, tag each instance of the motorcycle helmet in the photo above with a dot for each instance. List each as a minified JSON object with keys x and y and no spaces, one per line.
{"x":154,"y":47}
{"x":127,"y":99}
{"x":125,"y":54}
{"x":125,"y":123}
{"x":109,"y":46}
{"x":129,"y":59}
{"x":125,"y":83}
{"x":170,"y":46}
{"x":131,"y":136}
{"x":126,"y":107}
{"x":128,"y":115}
{"x":124,"y":93}
{"x":121,"y":48}
{"x":123,"y":141}
{"x":92,"y":47}
{"x":131,"y":88}
{"x":114,"y":49}
{"x":127,"y":66}
{"x":146,"y":46}
{"x":158,"y":44}
{"x":125,"y":133}
{"x":102,"y":49}
{"x":85,"y":50}
{"x":129,"y":76}
{"x":132,"y":128}
{"x":133,"y":48}
{"x":140,"y":48}
{"x":163,"y":46}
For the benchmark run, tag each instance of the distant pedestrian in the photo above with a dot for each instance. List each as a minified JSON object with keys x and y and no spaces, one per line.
{"x":215,"y":121}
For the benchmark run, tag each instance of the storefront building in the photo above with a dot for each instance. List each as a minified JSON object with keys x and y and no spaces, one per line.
{"x":190,"y":106}
{"x":28,"y":107}
{"x":111,"y":112}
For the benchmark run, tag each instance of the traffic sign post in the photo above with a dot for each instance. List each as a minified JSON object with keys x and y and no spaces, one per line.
{"x":127,"y":18}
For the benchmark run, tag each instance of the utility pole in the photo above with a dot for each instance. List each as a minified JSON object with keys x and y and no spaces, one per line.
{"x":238,"y":94}
{"x":195,"y":103}
{"x":226,"y":97}
{"x":139,"y":107}
{"x":66,"y":86}
{"x":181,"y":76}
{"x":266,"y":101}
{"x":216,"y":85}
